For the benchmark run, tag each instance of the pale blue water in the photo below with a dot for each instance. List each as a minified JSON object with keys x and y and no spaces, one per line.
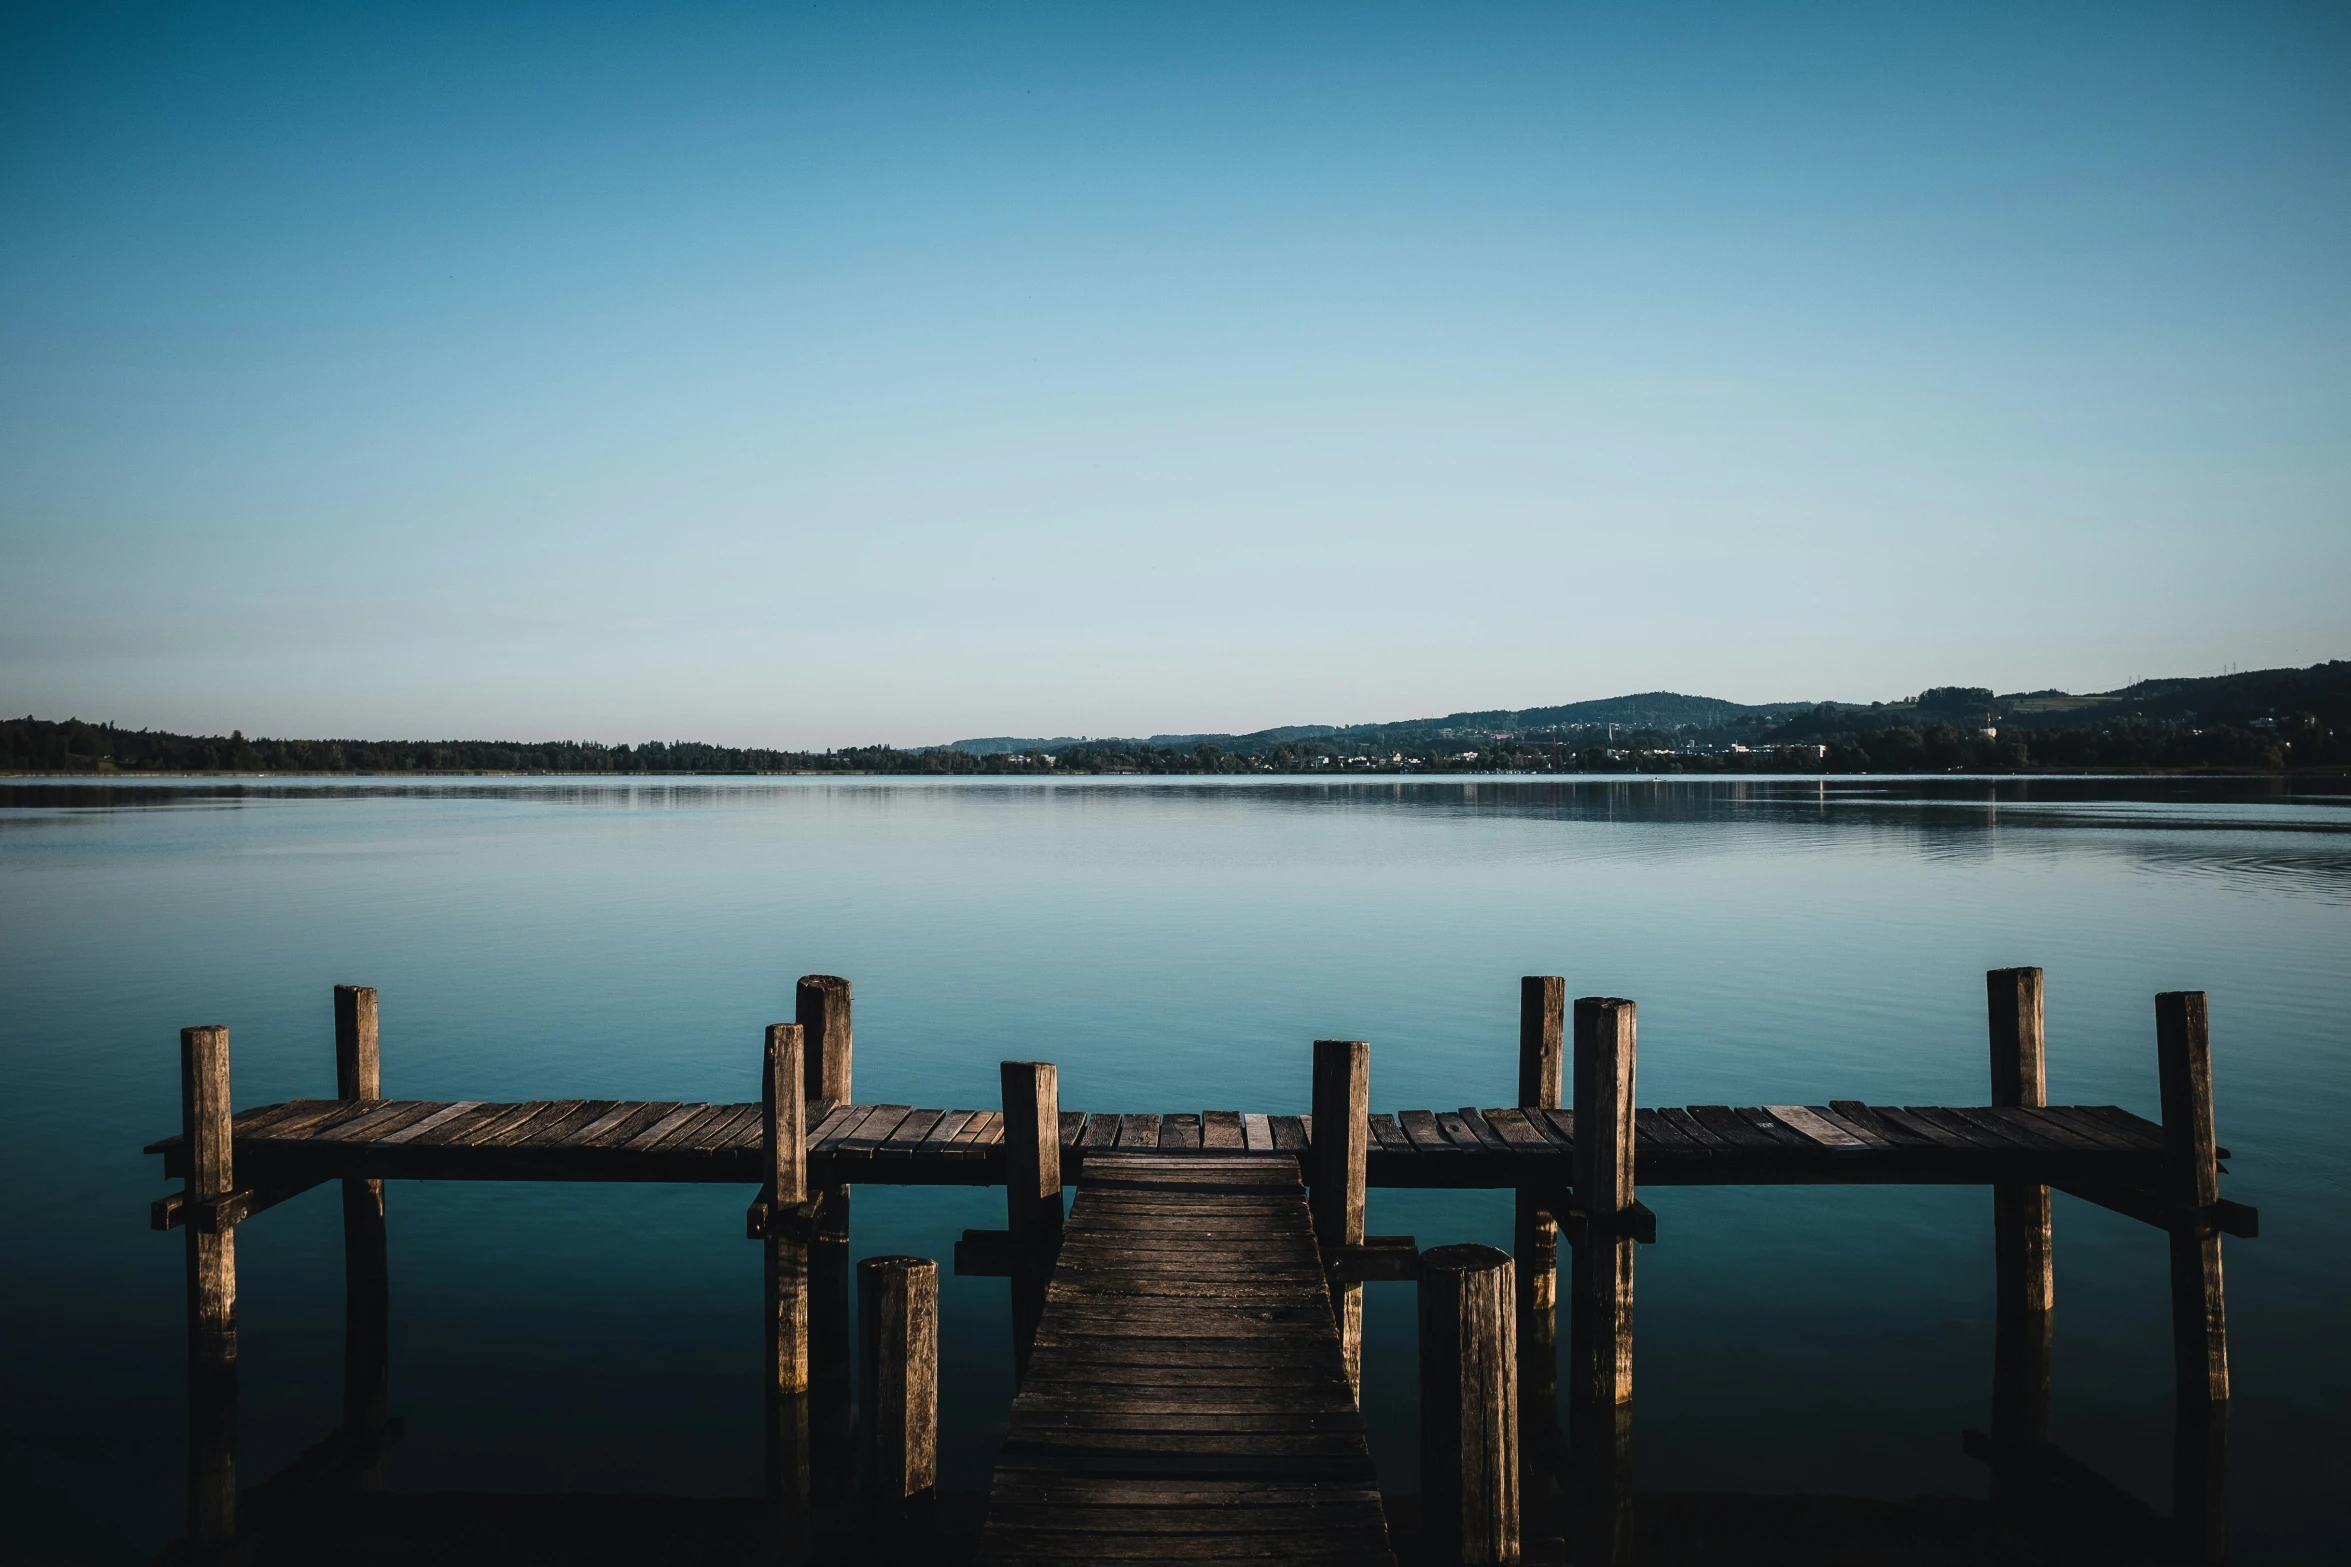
{"x":1173,"y":945}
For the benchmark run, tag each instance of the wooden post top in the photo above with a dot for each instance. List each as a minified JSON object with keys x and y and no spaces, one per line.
{"x":1542,"y":1039}
{"x":820,"y":1004}
{"x":359,"y":1068}
{"x":2020,"y":1074}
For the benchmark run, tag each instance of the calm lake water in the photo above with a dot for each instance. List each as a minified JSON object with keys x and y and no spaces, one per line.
{"x":1172,"y":944}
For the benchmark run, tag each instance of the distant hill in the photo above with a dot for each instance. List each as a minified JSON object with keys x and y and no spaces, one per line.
{"x":1662,"y":712}
{"x":2264,"y":720}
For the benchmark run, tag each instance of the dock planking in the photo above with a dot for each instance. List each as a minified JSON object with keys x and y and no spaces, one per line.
{"x":1187,"y":1396}
{"x":1843,"y":1142}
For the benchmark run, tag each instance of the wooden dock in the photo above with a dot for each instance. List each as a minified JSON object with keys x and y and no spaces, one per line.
{"x":1187,"y":1396}
{"x":2101,"y":1148}
{"x":1188,"y":1337}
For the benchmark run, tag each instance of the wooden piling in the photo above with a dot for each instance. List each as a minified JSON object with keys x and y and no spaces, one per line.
{"x":367,"y":1277}
{"x":1342,"y":1142}
{"x":212,"y":1292}
{"x":898,"y":1383}
{"x":784,"y":1145}
{"x":1468,"y":1406}
{"x":1032,"y":1190}
{"x":2199,"y":1308}
{"x":359,"y":1071}
{"x":1600,"y":1308}
{"x":821,"y":1006}
{"x":1542,"y":1039}
{"x":2022,"y":1261}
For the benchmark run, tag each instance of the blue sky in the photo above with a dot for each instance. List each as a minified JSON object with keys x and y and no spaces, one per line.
{"x":834,"y":374}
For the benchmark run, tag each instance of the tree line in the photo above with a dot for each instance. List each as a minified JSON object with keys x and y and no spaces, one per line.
{"x":34,"y":745}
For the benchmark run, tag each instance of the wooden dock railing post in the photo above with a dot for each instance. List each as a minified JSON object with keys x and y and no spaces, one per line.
{"x":898,"y":1384}
{"x":367,"y":1276}
{"x":784,"y":1250}
{"x":1600,"y":1312}
{"x":821,"y":1006}
{"x":1600,"y":1284}
{"x":2199,"y":1308}
{"x":1342,"y":1142}
{"x":1032,"y":1191}
{"x":212,"y":1293}
{"x":784,"y":1142}
{"x":1542,"y":1053}
{"x":2022,"y":1261}
{"x":1468,"y":1405}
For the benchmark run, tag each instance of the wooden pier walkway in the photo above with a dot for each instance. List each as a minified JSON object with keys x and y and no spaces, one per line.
{"x":2102,"y":1149}
{"x":1188,"y":1338}
{"x":1187,"y":1396}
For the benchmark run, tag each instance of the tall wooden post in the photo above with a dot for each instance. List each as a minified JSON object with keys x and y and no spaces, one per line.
{"x":2022,"y":1263}
{"x":367,"y":1274}
{"x":783,"y":1142}
{"x":1600,"y":1310}
{"x":212,"y":1292}
{"x":2199,"y":1309}
{"x":1542,"y":1051}
{"x":898,"y":1384}
{"x":821,"y":1007}
{"x":1342,"y":1140}
{"x":1032,"y":1191}
{"x":1600,"y":1285}
{"x":1468,"y":1405}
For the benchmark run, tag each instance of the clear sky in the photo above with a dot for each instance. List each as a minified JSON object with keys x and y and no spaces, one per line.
{"x":836,"y":373}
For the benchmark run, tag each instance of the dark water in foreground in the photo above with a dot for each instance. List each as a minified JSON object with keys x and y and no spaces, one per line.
{"x":1173,"y":945}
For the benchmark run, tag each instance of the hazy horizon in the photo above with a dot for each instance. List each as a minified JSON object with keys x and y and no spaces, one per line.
{"x":917,"y":373}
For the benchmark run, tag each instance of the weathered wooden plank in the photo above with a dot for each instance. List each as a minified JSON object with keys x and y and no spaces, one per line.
{"x":1421,"y":1126}
{"x":438,"y":1118}
{"x":1222,"y":1129}
{"x":1559,"y":1123}
{"x":471,"y":1127}
{"x":652,"y":1132}
{"x":1814,"y":1126}
{"x":1731,"y":1130}
{"x":1289,"y":1133}
{"x":582,"y":1133}
{"x":1480,"y":1132}
{"x":1138,"y":1131}
{"x":384,"y":1115}
{"x":1763,"y":1121}
{"x":911,"y":1133}
{"x":1178,"y":1131}
{"x":1257,"y":1133}
{"x":1693,"y":1128}
{"x":1073,"y":1126}
{"x":1101,"y":1132}
{"x":1870,"y":1134}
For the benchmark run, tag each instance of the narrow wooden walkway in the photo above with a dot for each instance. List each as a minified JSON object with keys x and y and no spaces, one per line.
{"x":1700,"y":1145}
{"x":1186,"y":1397}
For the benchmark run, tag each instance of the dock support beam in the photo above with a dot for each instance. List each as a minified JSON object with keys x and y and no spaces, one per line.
{"x":1542,"y":1053}
{"x":1032,"y":1191}
{"x":1342,"y":1141}
{"x":2199,"y":1309}
{"x":1468,"y":1406}
{"x":821,"y":1006}
{"x":367,"y":1275}
{"x":1600,"y":1305}
{"x":784,"y":1249}
{"x":212,"y":1294}
{"x":898,"y":1386}
{"x":2023,"y":1273}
